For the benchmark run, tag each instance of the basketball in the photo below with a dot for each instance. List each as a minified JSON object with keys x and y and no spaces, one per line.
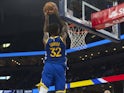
{"x":50,"y":8}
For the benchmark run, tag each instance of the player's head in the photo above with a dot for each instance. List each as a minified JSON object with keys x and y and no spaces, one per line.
{"x":54,"y":29}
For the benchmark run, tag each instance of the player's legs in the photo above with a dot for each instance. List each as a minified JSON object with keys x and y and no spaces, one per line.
{"x":47,"y":78}
{"x":60,"y":79}
{"x":48,"y":74}
{"x":42,"y":88}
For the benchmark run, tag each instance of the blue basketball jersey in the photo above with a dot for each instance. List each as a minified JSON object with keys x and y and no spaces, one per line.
{"x":55,"y":50}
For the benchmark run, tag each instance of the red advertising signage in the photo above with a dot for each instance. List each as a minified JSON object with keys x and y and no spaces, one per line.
{"x":108,"y":17}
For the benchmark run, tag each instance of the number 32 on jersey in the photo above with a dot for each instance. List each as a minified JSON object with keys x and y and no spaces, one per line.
{"x":55,"y":52}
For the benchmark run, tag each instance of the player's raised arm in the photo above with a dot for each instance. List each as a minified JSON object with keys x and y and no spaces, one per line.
{"x":45,"y":29}
{"x":64,"y":29}
{"x":63,"y":33}
{"x":49,"y":8}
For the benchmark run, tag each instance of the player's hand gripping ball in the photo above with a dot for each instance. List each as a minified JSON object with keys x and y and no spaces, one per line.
{"x":50,"y":8}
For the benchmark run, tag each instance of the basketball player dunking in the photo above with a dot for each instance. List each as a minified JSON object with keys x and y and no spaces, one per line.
{"x":55,"y":63}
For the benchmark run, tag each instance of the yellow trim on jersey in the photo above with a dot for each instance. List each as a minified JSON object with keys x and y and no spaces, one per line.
{"x":46,"y":41}
{"x":54,"y":36}
{"x":61,"y":39}
{"x":41,"y":84}
{"x":61,"y":91}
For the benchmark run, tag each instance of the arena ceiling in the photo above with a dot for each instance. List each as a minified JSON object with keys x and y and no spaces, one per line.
{"x":21,"y":24}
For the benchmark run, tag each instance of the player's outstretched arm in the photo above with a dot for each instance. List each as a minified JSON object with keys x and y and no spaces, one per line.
{"x":64,"y":29}
{"x":63,"y":33}
{"x":45,"y":29}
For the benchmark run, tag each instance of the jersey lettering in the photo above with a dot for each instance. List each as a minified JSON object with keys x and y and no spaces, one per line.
{"x":55,"y":52}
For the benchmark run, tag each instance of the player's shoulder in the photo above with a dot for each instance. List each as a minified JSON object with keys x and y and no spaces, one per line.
{"x":61,"y":38}
{"x":54,"y":37}
{"x":58,"y":38}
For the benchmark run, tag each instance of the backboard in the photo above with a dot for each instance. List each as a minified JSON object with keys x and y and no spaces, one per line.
{"x":79,"y":12}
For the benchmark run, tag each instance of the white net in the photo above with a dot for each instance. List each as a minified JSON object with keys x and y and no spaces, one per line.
{"x":77,"y":36}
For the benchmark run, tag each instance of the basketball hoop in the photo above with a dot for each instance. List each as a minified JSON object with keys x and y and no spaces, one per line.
{"x":77,"y":35}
